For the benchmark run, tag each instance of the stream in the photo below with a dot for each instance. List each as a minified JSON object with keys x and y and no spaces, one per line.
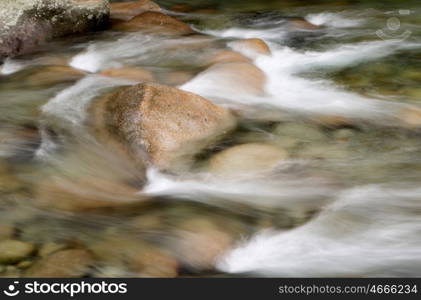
{"x":341,"y":101}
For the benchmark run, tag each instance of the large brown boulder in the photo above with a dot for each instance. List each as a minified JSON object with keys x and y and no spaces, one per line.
{"x":155,"y":23}
{"x":167,"y":124}
{"x":127,"y":10}
{"x":27,"y":24}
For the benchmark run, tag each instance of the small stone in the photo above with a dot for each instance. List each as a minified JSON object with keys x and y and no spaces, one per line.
{"x":72,"y":263}
{"x":49,"y":248}
{"x":226,"y":56}
{"x":303,"y":24}
{"x":200,"y":242}
{"x":127,"y":10}
{"x":238,"y":78}
{"x":176,"y":78}
{"x":12,"y":251}
{"x":24,"y":264}
{"x":410,"y":117}
{"x":246,"y":160}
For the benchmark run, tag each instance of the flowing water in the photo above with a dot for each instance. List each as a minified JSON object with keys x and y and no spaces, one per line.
{"x":347,"y":201}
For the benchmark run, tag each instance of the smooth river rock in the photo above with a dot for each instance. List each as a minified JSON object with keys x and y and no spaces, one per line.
{"x":152,"y":22}
{"x":166,"y":124}
{"x":127,"y":10}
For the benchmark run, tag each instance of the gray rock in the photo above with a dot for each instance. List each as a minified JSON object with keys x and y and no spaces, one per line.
{"x":25,"y":24}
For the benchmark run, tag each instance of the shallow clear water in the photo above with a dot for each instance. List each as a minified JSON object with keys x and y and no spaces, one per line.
{"x":345,"y":203}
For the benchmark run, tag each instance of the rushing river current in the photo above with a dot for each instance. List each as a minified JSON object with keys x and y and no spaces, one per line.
{"x":343,"y":100}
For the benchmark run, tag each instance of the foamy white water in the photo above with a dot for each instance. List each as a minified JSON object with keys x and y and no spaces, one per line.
{"x":369,"y":231}
{"x":287,"y":89}
{"x":11,"y":66}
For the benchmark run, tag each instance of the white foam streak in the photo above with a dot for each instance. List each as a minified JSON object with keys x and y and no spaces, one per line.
{"x":287,"y":193}
{"x":368,"y":231}
{"x":11,"y":66}
{"x":337,"y":20}
{"x":112,"y":54}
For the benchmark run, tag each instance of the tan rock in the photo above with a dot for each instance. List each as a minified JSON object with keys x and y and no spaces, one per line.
{"x":19,"y":143}
{"x":301,"y":23}
{"x":246,"y":160}
{"x":84,"y":194}
{"x":71,"y":263}
{"x":11,"y":272}
{"x":134,"y":74}
{"x":410,"y":117}
{"x":6,"y":231}
{"x":155,"y":23}
{"x":140,"y":258}
{"x":90,"y":177}
{"x":227,"y":56}
{"x":238,"y":77}
{"x":49,"y":248}
{"x":176,"y":78}
{"x":25,"y":264}
{"x":12,"y":251}
{"x":333,"y":121}
{"x":251,"y":47}
{"x":169,"y":124}
{"x":127,"y":10}
{"x":55,"y":74}
{"x":24,"y":25}
{"x":153,"y":262}
{"x":199,"y":242}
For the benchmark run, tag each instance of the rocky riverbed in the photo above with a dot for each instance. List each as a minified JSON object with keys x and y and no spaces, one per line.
{"x":207,"y":138}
